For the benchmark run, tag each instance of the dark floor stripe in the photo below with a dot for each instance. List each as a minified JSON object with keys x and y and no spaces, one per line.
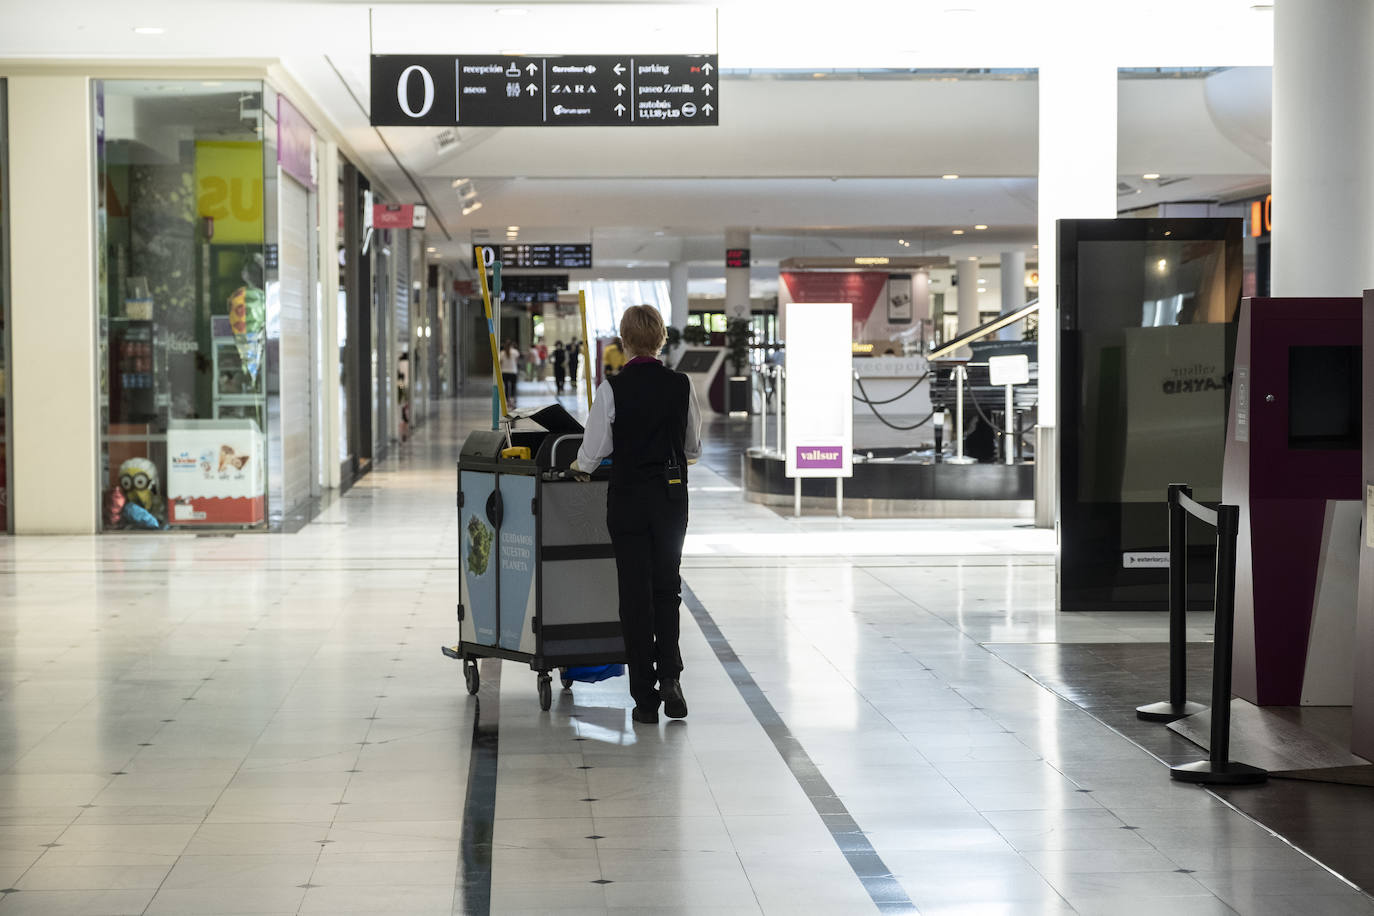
{"x":473,"y":895}
{"x":885,"y":890}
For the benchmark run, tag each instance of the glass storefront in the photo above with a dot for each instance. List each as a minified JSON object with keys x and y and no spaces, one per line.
{"x":184,"y":265}
{"x":6,"y":510}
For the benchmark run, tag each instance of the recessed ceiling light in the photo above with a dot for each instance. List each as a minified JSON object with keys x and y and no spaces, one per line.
{"x":431,"y":250}
{"x":148,"y":30}
{"x":818,"y":76}
{"x":476,"y":205}
{"x":211,"y":83}
{"x":1150,"y":176}
{"x":459,"y":182}
{"x":958,"y":232}
{"x":512,"y":228}
{"x":950,"y":177}
{"x":981,"y":226}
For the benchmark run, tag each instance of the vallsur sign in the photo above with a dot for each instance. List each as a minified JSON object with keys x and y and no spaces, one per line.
{"x":502,"y":90}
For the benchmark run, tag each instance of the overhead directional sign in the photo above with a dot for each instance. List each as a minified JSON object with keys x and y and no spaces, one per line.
{"x":600,"y":90}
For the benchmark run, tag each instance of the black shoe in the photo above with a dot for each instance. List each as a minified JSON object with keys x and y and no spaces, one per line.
{"x":674,"y":704}
{"x":645,"y":715}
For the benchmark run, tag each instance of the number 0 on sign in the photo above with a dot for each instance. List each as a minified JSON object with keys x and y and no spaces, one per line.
{"x":819,"y":389}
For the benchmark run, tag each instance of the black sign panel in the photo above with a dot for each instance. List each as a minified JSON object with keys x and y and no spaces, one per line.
{"x":546,"y":257}
{"x":532,"y":287}
{"x":491,"y":90}
{"x":737,"y":257}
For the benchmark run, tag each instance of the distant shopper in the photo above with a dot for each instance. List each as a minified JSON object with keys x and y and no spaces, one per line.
{"x":532,"y":363}
{"x":560,"y":366}
{"x":574,"y":353}
{"x":646,"y":417}
{"x":510,"y":370}
{"x":612,"y":358}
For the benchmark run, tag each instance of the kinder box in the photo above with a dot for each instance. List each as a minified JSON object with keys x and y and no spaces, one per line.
{"x":216,"y":473}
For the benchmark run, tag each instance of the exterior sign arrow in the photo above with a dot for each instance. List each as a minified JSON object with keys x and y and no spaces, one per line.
{"x":619,"y":69}
{"x":531,"y":88}
{"x":706,"y":67}
{"x":533,"y":68}
{"x":620,"y":110}
{"x":707,"y":108}
{"x":619,"y":88}
{"x":707,"y":89}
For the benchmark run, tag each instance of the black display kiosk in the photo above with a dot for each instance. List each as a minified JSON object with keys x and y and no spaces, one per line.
{"x":1146,"y":345}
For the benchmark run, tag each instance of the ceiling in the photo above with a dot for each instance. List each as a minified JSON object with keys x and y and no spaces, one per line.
{"x":834,"y":159}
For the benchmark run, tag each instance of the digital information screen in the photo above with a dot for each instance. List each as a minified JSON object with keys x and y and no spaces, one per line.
{"x":737,"y":257}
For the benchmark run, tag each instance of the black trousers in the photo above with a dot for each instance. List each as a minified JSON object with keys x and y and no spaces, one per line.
{"x":508,"y":379}
{"x":647,"y":530}
{"x":558,"y":376}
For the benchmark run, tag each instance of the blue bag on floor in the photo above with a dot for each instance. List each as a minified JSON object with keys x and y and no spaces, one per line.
{"x":590,"y":674}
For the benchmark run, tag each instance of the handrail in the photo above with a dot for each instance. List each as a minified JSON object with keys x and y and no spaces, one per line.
{"x":983,"y":330}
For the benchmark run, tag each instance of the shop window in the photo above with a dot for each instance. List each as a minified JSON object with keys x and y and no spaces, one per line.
{"x":183,"y":271}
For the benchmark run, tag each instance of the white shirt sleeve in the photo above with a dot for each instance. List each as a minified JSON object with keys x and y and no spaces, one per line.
{"x":596,"y":441}
{"x":692,"y":441}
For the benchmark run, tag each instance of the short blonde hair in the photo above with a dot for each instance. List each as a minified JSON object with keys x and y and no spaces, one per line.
{"x":641,"y":327}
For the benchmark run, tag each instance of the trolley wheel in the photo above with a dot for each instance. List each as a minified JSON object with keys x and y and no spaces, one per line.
{"x":473,"y":678}
{"x":545,"y":692}
{"x":567,"y":683}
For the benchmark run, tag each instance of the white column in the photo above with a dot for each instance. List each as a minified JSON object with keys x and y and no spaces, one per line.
{"x":966,"y":269}
{"x":736,"y":278}
{"x":329,"y":305}
{"x":56,"y":486}
{"x":1013,"y":290}
{"x":677,"y":294}
{"x":1323,"y":236}
{"x":1077,"y":181}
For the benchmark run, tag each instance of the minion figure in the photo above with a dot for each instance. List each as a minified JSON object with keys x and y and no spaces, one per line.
{"x":144,"y":506}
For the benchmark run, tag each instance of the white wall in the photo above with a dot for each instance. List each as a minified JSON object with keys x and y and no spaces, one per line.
{"x":55,"y":439}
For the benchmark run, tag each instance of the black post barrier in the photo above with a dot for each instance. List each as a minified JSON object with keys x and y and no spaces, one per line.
{"x":1218,"y":768}
{"x":1177,"y":706}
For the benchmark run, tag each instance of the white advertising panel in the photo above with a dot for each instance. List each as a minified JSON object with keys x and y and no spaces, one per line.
{"x":820,"y":382}
{"x":216,"y":473}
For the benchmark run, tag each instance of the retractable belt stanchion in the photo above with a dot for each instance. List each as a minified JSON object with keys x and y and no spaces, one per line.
{"x":1219,"y":769}
{"x":1177,"y":706}
{"x":498,"y":398}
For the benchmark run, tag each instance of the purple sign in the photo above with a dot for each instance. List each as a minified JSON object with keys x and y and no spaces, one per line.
{"x":295,"y":143}
{"x":820,"y":456}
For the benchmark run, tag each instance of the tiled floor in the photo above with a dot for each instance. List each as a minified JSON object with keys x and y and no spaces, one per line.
{"x":264,"y":724}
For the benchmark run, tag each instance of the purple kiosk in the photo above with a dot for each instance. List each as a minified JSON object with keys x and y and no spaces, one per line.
{"x":1293,"y":467}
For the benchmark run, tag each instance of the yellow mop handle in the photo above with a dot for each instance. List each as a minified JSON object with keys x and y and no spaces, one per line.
{"x":491,"y":330}
{"x":586,"y":359}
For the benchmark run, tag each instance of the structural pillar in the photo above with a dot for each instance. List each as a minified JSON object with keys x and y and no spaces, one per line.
{"x":736,"y":278}
{"x":55,"y":426}
{"x":1323,"y":140}
{"x":1077,"y":180}
{"x":329,"y":283}
{"x":966,"y":270}
{"x":1013,"y":290}
{"x":677,"y":294}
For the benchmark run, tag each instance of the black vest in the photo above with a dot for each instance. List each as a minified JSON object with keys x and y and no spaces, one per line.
{"x":650,"y":425}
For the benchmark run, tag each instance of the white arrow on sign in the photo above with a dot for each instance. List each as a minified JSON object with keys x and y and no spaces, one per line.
{"x":619,"y":89}
{"x":707,"y":108}
{"x":533,"y":68}
{"x":531,"y":88}
{"x":618,"y":69}
{"x":707,"y":89}
{"x":620,"y":111}
{"x":706,"y":67}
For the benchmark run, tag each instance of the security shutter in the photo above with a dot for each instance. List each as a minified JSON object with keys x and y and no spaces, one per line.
{"x":294,"y":277}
